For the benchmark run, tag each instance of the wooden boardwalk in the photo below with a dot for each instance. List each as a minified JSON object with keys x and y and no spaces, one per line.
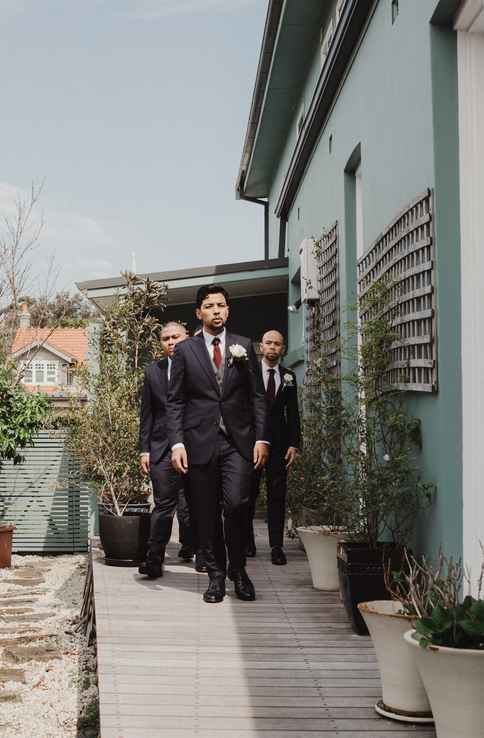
{"x":171,"y":666}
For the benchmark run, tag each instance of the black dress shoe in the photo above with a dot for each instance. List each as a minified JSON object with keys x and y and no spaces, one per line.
{"x":244,"y":589}
{"x":186,"y":553}
{"x":200,"y":564}
{"x":152,"y":567}
{"x":251,"y":550}
{"x":216,"y":591}
{"x":278,"y":557}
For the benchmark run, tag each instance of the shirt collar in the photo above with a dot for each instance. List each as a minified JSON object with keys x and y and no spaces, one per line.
{"x":266,"y":366}
{"x":208,"y":338}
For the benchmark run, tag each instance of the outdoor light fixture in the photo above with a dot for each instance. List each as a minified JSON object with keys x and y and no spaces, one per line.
{"x":294,"y":308}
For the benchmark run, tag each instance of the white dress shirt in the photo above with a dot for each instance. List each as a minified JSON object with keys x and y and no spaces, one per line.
{"x":265,"y":374}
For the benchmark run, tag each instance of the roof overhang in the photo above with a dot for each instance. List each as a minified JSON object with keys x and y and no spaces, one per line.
{"x":291,"y":38}
{"x":36,"y":345}
{"x":297,"y":43}
{"x":246,"y":279}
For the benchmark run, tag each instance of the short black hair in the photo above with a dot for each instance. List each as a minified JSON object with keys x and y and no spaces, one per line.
{"x":211,"y":289}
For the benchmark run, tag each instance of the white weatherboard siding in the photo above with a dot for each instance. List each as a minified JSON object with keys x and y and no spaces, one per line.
{"x":470,"y":27}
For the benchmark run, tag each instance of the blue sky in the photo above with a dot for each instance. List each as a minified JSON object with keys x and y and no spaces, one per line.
{"x":134,"y":112}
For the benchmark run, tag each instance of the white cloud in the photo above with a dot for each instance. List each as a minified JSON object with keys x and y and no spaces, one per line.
{"x":152,"y":9}
{"x":81,"y":246}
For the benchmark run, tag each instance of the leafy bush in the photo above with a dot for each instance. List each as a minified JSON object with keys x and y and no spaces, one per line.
{"x":22,"y":414}
{"x":461,"y":626}
{"x":104,"y":431}
{"x":431,"y":594}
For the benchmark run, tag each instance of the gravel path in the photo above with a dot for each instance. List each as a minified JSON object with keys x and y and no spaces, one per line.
{"x":48,"y":686}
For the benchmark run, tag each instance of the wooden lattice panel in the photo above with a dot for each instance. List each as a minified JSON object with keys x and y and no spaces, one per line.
{"x":329,"y":297}
{"x":404,"y":254}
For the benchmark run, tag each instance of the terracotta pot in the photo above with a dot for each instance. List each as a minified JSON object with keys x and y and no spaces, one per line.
{"x":321,"y":544}
{"x":6,"y":533}
{"x":453,"y":678}
{"x":403,"y":694}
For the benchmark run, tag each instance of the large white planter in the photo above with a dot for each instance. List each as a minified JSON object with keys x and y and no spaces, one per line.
{"x":454,"y":680}
{"x":403,"y":693}
{"x":321,"y":545}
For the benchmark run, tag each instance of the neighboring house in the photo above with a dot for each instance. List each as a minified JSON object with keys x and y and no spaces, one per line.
{"x":363,"y":116}
{"x":49,"y":357}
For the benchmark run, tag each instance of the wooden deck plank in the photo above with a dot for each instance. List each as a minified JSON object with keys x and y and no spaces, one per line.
{"x":171,"y":666}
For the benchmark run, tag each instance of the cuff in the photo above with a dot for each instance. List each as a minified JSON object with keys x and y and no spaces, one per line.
{"x":268,"y":443}
{"x":177,"y":445}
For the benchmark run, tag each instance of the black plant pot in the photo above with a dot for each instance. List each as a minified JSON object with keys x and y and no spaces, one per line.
{"x":361,"y":576}
{"x":124,"y":538}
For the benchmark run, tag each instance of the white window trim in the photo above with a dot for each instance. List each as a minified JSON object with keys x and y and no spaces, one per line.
{"x":41,"y":365}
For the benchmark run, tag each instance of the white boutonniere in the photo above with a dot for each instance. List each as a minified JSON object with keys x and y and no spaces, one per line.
{"x":288,"y":380}
{"x":238,"y":354}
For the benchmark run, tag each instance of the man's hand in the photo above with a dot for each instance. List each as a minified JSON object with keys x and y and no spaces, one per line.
{"x":179,"y":459}
{"x":261,"y":454}
{"x":291,"y":454}
{"x":145,"y":463}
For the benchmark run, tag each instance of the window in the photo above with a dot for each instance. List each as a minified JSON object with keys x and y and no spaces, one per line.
{"x":339,"y":9}
{"x":41,"y":373}
{"x":27,"y":373}
{"x":300,"y":120}
{"x":51,"y":372}
{"x":326,"y":39}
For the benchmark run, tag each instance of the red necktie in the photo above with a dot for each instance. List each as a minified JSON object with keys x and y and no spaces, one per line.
{"x":217,"y":354}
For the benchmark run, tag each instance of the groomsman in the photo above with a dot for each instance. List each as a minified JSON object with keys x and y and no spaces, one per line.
{"x":155,"y":460}
{"x":285,"y":433}
{"x":217,"y":430}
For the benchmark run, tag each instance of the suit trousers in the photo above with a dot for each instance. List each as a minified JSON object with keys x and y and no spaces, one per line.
{"x":168,"y":496}
{"x":221,"y":488}
{"x":276,"y":484}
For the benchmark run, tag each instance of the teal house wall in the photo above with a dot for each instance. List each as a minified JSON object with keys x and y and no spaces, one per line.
{"x":395,"y":111}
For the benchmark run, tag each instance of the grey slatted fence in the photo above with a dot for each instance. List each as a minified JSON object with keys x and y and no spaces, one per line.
{"x":46,"y":499}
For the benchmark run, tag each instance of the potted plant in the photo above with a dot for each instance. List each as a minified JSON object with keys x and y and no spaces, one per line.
{"x":104,"y":431}
{"x":380,"y":443}
{"x":22,"y":414}
{"x":404,"y":697}
{"x":317,"y":500}
{"x":448,"y":643}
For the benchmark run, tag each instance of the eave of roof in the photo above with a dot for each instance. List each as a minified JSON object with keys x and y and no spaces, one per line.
{"x":291,"y":37}
{"x":275,"y":120}
{"x":244,"y":279}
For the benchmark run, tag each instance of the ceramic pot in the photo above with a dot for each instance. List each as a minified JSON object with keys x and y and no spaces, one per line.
{"x":453,"y":679}
{"x":320,"y":544}
{"x":403,"y":694}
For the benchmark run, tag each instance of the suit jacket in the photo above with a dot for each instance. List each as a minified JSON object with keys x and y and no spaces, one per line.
{"x":153,"y":437}
{"x":196,"y":402}
{"x":283,"y":416}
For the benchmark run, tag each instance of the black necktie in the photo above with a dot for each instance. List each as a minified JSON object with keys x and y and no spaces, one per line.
{"x":271,"y":387}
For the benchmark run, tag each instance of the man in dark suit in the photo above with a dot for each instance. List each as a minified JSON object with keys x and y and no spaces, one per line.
{"x":155,"y":459}
{"x":217,"y":430}
{"x":285,"y":432}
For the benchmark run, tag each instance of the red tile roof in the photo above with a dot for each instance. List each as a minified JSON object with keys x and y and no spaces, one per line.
{"x":71,"y":341}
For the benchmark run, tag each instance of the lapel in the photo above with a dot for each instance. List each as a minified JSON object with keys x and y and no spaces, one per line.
{"x":197,"y":345}
{"x":228,"y":370}
{"x":280,"y":389}
{"x":163,"y":377}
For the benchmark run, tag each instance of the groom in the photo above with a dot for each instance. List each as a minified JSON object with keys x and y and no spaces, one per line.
{"x":217,"y":430}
